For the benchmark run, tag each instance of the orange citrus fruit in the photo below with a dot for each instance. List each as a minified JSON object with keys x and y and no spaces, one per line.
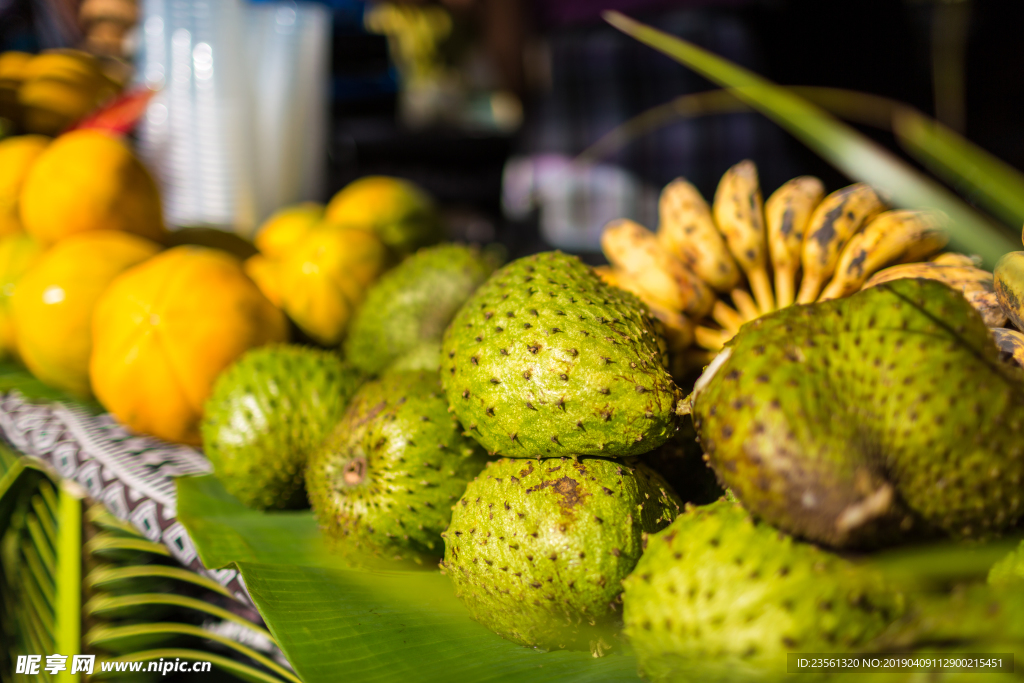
{"x":401,"y":214}
{"x":17,"y":155}
{"x":165,"y":329}
{"x":53,"y":303}
{"x":89,"y":180}
{"x":284,"y":228}
{"x":324,"y":278}
{"x":18,"y":253}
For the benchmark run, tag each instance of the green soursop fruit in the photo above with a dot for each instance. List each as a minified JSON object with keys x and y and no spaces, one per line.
{"x":546,"y":360}
{"x":1008,"y":571}
{"x":851,"y":421}
{"x":267,"y":413}
{"x":413,"y":304}
{"x":423,"y":357}
{"x":718,"y":596}
{"x":387,"y":477}
{"x":537,"y":548}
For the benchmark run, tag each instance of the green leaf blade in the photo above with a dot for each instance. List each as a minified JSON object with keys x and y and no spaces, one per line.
{"x":402,"y":626}
{"x":993,"y":183}
{"x":842,"y":146}
{"x":375,"y":626}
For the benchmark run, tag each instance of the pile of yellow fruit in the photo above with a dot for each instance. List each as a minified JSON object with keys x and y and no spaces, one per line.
{"x":317,"y":262}
{"x":94,"y":302}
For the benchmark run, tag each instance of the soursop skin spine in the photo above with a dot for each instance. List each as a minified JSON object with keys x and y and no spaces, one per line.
{"x":545,"y":360}
{"x":387,"y":477}
{"x":719,"y":596}
{"x":265,"y":415}
{"x":537,"y":549}
{"x":412,"y":304}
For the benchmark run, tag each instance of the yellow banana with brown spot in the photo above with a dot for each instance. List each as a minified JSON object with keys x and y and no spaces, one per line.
{"x":1010,"y":343}
{"x":787,"y":213}
{"x":710,"y":338}
{"x":839,"y":216}
{"x":1009,"y":286}
{"x":975,"y":284}
{"x":688,"y":231}
{"x":632,"y":248}
{"x":891,"y":237}
{"x":728,"y":317}
{"x":678,"y":328}
{"x":745,"y":304}
{"x":739,"y":214}
{"x":950,"y":258}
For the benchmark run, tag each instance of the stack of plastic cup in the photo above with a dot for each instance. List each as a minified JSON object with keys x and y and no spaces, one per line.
{"x":239,"y":124}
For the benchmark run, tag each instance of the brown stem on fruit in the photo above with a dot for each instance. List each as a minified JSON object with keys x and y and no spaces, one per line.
{"x":355,"y":471}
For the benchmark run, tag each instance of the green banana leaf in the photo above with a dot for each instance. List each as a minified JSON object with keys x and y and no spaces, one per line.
{"x":852,"y":153}
{"x":976,"y":173}
{"x":983,"y":177}
{"x":374,"y":625}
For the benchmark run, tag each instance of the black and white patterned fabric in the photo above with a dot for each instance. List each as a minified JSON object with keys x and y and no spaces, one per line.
{"x":131,"y":475}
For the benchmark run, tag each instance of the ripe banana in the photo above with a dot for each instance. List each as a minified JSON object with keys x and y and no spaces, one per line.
{"x":786,"y":215}
{"x":710,"y":338}
{"x":745,"y":304}
{"x":891,"y":237}
{"x":739,"y":213}
{"x":688,"y":232}
{"x":950,"y":258}
{"x":728,"y":317}
{"x":1009,"y":286}
{"x":834,"y":221}
{"x":975,"y":284}
{"x":1010,"y":343}
{"x":632,"y":248}
{"x":678,"y":328}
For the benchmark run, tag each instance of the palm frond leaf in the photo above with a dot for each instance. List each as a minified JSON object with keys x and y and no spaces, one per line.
{"x":65,"y":563}
{"x":849,"y":151}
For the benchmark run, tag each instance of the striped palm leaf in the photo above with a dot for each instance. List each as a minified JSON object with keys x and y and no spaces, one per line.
{"x":74,"y":579}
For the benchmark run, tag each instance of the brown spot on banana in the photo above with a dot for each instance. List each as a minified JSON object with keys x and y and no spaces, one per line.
{"x":787,"y":213}
{"x":688,"y":232}
{"x":839,"y":216}
{"x":891,"y":237}
{"x":1010,"y":343}
{"x":635,"y":250}
{"x":739,"y":213}
{"x":1009,"y":286}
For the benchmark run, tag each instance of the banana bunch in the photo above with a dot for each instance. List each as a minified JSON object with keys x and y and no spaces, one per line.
{"x":46,"y":93}
{"x":707,"y":270}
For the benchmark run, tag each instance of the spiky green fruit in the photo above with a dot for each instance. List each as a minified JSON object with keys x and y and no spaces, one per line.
{"x":537,"y":548}
{"x":412,"y":304}
{"x":423,"y":357}
{"x":386,"y":479}
{"x":267,"y":413}
{"x":1008,"y":571}
{"x":718,"y":596}
{"x":546,"y":360}
{"x":851,"y":421}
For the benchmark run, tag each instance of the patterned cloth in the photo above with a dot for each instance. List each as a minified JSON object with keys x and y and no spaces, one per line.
{"x":131,"y":475}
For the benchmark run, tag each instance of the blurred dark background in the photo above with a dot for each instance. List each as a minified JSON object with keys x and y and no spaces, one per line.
{"x":484,"y":102}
